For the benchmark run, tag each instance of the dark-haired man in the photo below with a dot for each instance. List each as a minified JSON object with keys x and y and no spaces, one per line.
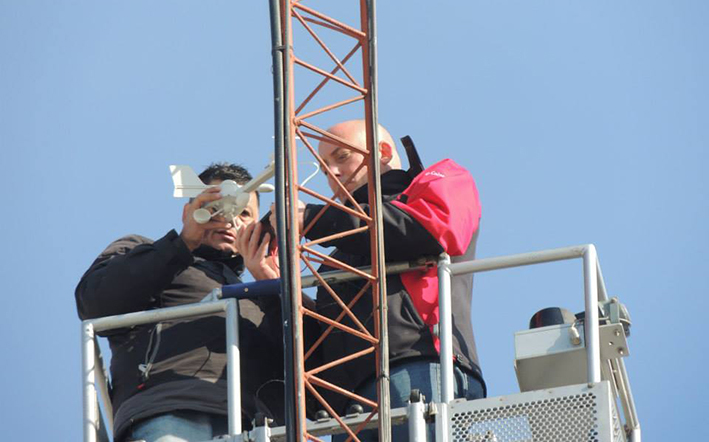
{"x":169,"y":379}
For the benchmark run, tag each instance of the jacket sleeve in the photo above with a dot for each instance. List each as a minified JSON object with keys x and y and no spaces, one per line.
{"x":445,"y":201}
{"x":400,"y":230}
{"x":130,"y":275}
{"x":438,"y":212}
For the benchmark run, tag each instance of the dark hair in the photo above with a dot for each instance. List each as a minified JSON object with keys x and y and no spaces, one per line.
{"x":225,"y":171}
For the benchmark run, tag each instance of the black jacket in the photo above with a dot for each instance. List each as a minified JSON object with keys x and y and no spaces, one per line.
{"x":423,"y":229}
{"x":189,"y":363}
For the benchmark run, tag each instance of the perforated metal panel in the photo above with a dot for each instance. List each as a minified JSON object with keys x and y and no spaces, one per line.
{"x":574,"y":413}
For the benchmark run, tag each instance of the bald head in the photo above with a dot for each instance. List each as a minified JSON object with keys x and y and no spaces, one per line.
{"x":355,"y":132}
{"x":345,"y":163}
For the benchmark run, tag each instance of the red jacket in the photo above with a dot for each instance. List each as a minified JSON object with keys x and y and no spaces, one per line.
{"x":437,"y":211}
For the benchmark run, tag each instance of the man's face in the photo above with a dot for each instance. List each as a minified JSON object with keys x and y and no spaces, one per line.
{"x":343,"y":163}
{"x":225,"y":239}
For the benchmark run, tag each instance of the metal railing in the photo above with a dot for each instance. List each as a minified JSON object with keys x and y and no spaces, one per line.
{"x":594,"y":291}
{"x":95,"y":380}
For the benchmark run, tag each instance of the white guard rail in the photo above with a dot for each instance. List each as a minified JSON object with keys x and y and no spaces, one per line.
{"x":594,"y":290}
{"x":94,"y":378}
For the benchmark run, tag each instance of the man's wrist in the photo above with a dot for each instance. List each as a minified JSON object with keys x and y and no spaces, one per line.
{"x":190,"y":243}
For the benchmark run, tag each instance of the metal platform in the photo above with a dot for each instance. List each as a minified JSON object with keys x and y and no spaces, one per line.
{"x":576,"y":413}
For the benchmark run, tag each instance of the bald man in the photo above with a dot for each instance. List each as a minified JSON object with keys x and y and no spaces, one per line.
{"x":434,"y":212}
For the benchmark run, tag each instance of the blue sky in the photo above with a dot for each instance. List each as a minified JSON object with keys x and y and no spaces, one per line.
{"x":582,"y":122}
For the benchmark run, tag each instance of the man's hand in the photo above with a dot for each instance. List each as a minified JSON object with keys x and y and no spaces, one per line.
{"x":254,"y":252}
{"x":193,"y":232}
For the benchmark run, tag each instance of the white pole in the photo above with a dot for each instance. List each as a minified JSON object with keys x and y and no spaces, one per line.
{"x":417,"y":423}
{"x":445,"y":334}
{"x":522,"y":259}
{"x":233,"y":372}
{"x":158,"y":315}
{"x":592,"y":334}
{"x":88,"y":378}
{"x":445,"y":328}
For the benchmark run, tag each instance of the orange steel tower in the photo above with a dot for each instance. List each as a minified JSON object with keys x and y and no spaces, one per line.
{"x":303,"y":108}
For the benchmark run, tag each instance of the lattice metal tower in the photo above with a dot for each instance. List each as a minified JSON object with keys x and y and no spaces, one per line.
{"x":298,"y":108}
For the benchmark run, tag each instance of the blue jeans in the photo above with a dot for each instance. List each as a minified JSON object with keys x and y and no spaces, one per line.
{"x":424,"y":375}
{"x":180,"y":426}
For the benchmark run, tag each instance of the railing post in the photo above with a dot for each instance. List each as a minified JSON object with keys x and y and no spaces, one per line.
{"x":88,"y":379}
{"x":591,"y":330}
{"x":233,"y":372}
{"x":416,"y":422}
{"x":445,"y":334}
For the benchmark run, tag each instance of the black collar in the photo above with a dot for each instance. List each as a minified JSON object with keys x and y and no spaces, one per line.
{"x":393,"y":183}
{"x":234,"y":262}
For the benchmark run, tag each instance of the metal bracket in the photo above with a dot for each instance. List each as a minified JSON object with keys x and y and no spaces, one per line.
{"x":613,"y":341}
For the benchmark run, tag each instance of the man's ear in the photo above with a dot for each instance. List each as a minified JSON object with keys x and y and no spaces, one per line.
{"x":386,"y":152}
